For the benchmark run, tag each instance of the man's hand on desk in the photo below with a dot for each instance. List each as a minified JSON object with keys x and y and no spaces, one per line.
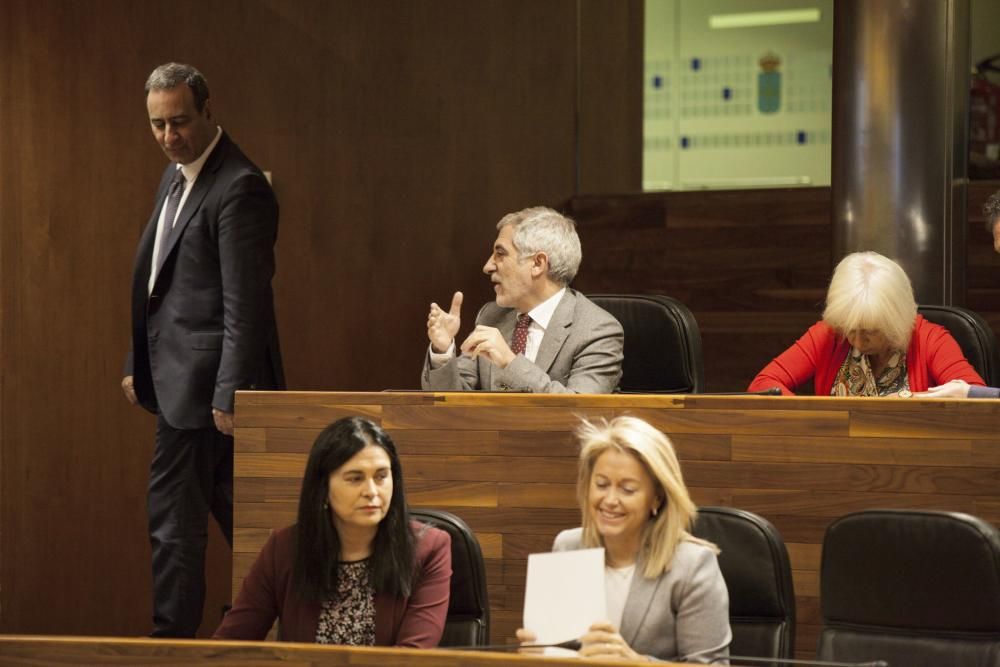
{"x":953,"y":389}
{"x":442,"y":327}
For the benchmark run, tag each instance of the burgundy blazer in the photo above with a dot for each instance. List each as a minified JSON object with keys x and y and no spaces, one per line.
{"x":416,"y":621}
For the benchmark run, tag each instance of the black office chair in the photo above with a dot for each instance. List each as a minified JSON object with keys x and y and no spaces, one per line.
{"x":913,"y":588}
{"x":758,"y":574}
{"x":468,"y":621}
{"x":974,"y":336}
{"x":662,"y":344}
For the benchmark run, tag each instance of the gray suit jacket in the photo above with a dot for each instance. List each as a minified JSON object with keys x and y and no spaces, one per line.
{"x":682,"y":615}
{"x":208,"y":327}
{"x":580,"y":353}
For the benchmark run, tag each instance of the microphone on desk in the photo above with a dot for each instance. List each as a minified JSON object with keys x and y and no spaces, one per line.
{"x":770,"y":391}
{"x":572,"y":644}
{"x":737,"y":660}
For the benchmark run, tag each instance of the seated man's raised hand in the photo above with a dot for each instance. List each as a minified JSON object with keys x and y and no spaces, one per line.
{"x":442,"y":326}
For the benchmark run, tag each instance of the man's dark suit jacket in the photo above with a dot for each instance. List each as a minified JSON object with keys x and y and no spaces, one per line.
{"x":208,"y":326}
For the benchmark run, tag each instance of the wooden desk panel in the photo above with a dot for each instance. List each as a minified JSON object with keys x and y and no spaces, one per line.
{"x":506,"y":463}
{"x":23,"y":650}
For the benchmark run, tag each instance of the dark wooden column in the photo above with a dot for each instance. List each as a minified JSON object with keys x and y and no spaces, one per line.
{"x":901,"y":73}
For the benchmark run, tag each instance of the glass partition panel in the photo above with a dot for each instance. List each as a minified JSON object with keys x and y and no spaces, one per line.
{"x":737,"y":93}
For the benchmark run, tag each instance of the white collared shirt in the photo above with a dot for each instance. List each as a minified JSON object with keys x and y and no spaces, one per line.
{"x":540,"y":316}
{"x":191,"y":172}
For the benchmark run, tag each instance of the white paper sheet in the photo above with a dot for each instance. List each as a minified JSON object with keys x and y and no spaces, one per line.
{"x":564,"y":594}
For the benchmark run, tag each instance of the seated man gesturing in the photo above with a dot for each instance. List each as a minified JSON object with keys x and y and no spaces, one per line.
{"x":539,"y":335}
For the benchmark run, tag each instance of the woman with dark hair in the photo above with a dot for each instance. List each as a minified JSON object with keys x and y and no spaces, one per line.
{"x":354,"y":569}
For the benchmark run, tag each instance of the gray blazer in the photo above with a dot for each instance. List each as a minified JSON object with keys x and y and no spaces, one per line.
{"x":581,"y":353}
{"x":681,"y":616}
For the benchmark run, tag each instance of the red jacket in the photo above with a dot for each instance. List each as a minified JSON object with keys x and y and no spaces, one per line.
{"x":416,"y":621}
{"x":932,"y":358}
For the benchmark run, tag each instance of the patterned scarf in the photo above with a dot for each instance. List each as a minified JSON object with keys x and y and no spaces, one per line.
{"x":855,"y":377}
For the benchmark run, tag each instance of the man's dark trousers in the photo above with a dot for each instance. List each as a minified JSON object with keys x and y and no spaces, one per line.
{"x":191,"y":475}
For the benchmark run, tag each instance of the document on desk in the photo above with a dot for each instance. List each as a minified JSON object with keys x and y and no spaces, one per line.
{"x":564,"y":594}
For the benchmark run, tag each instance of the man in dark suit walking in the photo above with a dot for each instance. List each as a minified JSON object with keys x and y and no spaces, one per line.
{"x":203,"y":326}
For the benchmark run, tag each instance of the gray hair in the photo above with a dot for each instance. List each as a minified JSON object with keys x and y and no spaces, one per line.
{"x":172,"y":75}
{"x":869,"y":291}
{"x":541,"y":229}
{"x":991,"y":210}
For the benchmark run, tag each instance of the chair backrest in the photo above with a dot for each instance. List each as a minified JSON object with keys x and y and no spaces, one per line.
{"x":911,"y":587}
{"x":468,"y":621}
{"x":755,"y":565}
{"x":974,"y":336}
{"x":662,"y":343}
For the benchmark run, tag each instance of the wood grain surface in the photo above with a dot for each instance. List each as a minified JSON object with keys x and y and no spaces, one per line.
{"x":397,"y":134}
{"x":506,"y":463}
{"x":28,"y":650}
{"x":753,"y":266}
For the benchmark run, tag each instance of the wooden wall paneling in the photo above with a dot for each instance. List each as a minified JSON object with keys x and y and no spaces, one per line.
{"x":447,"y":441}
{"x":752,"y":265}
{"x":799,"y":462}
{"x":79,"y":170}
{"x":489,"y":417}
{"x":450,"y":493}
{"x":944,"y":423}
{"x":538,"y":494}
{"x":19,"y":650}
{"x":746,"y":422}
{"x":397,"y":135}
{"x":856,"y":449}
{"x":610,"y":95}
{"x":425,"y":133}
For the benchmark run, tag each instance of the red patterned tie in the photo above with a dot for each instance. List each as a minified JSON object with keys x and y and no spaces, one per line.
{"x":520,"y":340}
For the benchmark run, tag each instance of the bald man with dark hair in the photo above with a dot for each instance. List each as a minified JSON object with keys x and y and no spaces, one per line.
{"x":203,"y":327}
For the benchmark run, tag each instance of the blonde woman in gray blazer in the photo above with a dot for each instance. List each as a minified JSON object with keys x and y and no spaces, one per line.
{"x":667,"y":599}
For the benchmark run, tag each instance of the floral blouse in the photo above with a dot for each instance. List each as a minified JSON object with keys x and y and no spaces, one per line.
{"x":349,"y":617}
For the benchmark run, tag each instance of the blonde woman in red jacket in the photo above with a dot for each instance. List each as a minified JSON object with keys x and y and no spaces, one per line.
{"x":871,"y":341}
